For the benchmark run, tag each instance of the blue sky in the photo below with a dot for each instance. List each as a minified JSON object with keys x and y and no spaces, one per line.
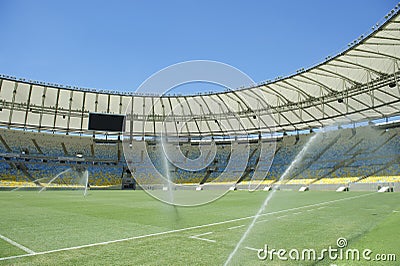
{"x":116,"y":45}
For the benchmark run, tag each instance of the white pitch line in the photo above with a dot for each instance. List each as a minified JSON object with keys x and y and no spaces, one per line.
{"x":253,"y":249}
{"x":295,"y":213}
{"x":29,"y":251}
{"x":204,"y":234}
{"x":178,"y":230}
{"x":280,"y":217}
{"x":258,"y":249}
{"x":234,"y":227}
{"x":203,"y":239}
{"x":260,"y":221}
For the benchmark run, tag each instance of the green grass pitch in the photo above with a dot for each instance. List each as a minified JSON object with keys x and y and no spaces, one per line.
{"x":132,"y":228}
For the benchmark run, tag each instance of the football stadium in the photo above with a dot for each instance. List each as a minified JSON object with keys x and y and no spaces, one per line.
{"x":303,"y":169}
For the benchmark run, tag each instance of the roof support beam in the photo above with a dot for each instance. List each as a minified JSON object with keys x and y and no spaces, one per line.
{"x":359,"y":65}
{"x":377,"y":53}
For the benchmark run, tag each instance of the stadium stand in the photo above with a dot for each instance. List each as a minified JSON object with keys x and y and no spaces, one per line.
{"x":343,"y":156}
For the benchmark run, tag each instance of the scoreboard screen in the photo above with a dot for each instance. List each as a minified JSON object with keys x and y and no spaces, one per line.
{"x":106,"y":122}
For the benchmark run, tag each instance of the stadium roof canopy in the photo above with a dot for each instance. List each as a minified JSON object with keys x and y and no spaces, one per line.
{"x":360,"y":83}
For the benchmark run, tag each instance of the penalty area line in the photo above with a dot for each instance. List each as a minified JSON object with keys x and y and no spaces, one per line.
{"x":179,"y":230}
{"x":234,"y":227}
{"x":203,"y":239}
{"x":15,"y":244}
{"x":252,"y":249}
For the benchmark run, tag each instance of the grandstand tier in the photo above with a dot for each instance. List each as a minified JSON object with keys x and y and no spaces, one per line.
{"x":342,"y":156}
